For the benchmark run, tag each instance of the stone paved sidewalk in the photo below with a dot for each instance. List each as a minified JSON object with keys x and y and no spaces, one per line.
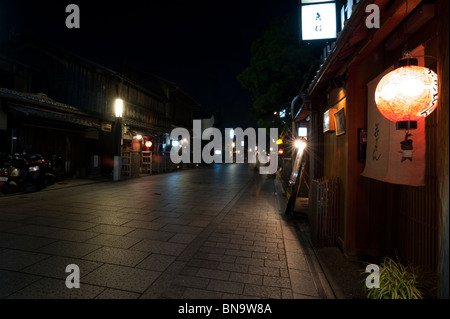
{"x":166,"y":236}
{"x":248,"y":251}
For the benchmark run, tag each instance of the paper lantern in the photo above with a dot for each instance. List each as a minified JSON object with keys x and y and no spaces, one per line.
{"x":407,"y":93}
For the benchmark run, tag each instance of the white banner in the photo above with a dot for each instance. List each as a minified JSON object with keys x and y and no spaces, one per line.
{"x":392,"y":156}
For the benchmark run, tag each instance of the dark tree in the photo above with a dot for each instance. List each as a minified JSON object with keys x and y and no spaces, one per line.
{"x":277,"y":67}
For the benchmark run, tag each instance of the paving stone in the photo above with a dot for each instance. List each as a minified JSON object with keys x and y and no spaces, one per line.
{"x":238,"y":252}
{"x":277,"y":282}
{"x":213,"y":274}
{"x":216,"y":257}
{"x":55,"y":267}
{"x":303,"y":283}
{"x":297,"y":261}
{"x":191,"y":293}
{"x":250,"y":261}
{"x":79,"y":217}
{"x":11,"y":281}
{"x":182,"y":238}
{"x":40,"y":220}
{"x":151,"y":234}
{"x":275,"y":263}
{"x":210,"y":264}
{"x":246,"y":278}
{"x":182,"y":229}
{"x":34,"y":230}
{"x":49,"y":288}
{"x":68,"y":249}
{"x":226,"y":286}
{"x":264,"y":271}
{"x":212,"y":249}
{"x":74,"y":224}
{"x":72,"y":235}
{"x":159,"y":247}
{"x":114,"y":241}
{"x":121,"y":277}
{"x":173,"y":292}
{"x":156,"y":262}
{"x":16,"y":259}
{"x":233,"y":267}
{"x":262,"y":291}
{"x":23,"y":242}
{"x":110,"y":220}
{"x":287,"y":293}
{"x":264,"y":255}
{"x":192,"y":282}
{"x":199,"y":223}
{"x":4,"y":216}
{"x":117,"y":256}
{"x":112,"y":230}
{"x":219,"y":239}
{"x":117,"y":294}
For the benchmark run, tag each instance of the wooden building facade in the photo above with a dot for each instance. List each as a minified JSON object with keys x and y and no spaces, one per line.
{"x":378,"y":218}
{"x":71,"y":89}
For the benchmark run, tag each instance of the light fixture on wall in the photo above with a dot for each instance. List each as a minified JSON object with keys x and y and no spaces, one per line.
{"x":407,"y":93}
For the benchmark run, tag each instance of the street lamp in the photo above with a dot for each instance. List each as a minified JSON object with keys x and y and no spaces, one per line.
{"x":118,"y":106}
{"x":300,"y":144}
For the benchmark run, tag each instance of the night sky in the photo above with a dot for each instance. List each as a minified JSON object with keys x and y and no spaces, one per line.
{"x":200,"y":45}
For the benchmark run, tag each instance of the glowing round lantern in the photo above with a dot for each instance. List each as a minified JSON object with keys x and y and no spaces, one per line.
{"x":407,"y":93}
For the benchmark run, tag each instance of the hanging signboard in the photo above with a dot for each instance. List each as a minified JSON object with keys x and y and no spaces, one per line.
{"x":318,"y":20}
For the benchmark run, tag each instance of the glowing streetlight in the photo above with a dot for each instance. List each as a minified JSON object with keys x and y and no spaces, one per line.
{"x":300,"y":144}
{"x":118,"y":106}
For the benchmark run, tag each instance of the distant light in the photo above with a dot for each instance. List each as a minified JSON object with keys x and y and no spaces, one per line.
{"x":280,"y":151}
{"x":300,"y":144}
{"x":234,"y":144}
{"x":119,"y":107}
{"x":139,"y":137}
{"x":148,"y":144}
{"x":279,"y":141}
{"x":175,"y":143}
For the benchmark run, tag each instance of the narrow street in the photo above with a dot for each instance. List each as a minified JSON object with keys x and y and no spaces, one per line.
{"x":192,"y":234}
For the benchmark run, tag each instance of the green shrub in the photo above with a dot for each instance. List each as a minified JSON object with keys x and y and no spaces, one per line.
{"x":396,"y":282}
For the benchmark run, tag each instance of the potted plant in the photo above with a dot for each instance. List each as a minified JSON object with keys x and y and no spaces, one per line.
{"x":397,"y":281}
